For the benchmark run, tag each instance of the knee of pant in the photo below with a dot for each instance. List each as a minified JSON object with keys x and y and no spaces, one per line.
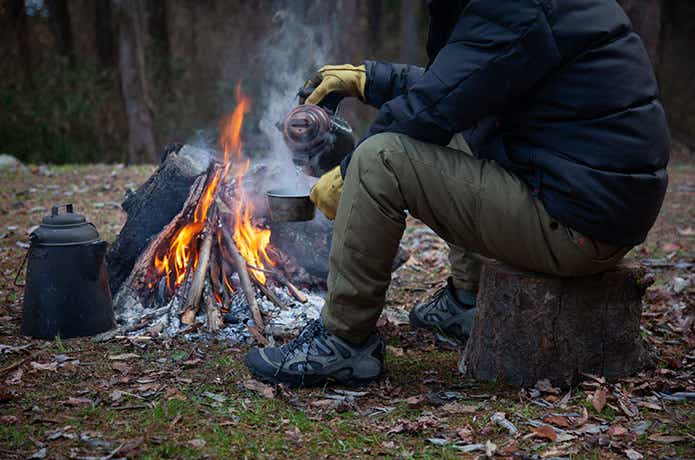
{"x":370,"y":152}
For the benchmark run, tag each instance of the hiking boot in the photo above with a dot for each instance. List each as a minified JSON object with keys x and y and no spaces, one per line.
{"x":449,"y":313}
{"x":315,"y":357}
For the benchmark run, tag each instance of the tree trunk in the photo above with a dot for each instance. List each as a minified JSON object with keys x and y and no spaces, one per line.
{"x":410,"y":10}
{"x":59,"y":19}
{"x":103,"y":28}
{"x":646,"y":20}
{"x":532,"y":326}
{"x":134,"y":88}
{"x":18,"y":18}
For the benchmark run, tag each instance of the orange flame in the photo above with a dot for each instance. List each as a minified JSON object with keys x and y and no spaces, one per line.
{"x":251,"y":241}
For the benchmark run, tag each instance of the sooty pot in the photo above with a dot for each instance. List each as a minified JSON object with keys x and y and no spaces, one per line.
{"x":67,"y":290}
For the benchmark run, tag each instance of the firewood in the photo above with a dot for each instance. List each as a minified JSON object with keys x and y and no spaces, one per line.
{"x":282,"y":279}
{"x":198,"y":281}
{"x":215,"y":271}
{"x":213,"y":313}
{"x":240,"y":266}
{"x":268,"y":293}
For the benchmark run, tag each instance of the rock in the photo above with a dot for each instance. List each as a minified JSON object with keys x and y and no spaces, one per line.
{"x":8,"y":162}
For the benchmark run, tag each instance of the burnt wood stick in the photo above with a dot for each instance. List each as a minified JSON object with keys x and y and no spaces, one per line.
{"x":240,"y":266}
{"x":215,"y":271}
{"x":282,"y":279}
{"x":198,"y":282}
{"x":213,"y":313}
{"x":268,"y":293}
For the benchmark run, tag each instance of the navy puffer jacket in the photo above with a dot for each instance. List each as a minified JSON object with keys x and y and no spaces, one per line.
{"x":559,"y":92}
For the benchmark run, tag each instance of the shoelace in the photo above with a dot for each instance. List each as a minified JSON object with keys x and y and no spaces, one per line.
{"x":434,"y":304}
{"x":309,"y":333}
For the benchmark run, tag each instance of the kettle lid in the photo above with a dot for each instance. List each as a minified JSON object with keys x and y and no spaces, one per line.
{"x":64,"y":229}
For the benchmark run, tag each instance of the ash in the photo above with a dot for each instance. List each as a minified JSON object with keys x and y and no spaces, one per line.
{"x":136,"y":320}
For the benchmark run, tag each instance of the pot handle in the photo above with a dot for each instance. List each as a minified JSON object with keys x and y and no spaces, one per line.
{"x":20,"y":268}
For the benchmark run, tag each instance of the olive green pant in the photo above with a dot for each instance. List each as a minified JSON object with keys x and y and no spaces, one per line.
{"x":475,"y":205}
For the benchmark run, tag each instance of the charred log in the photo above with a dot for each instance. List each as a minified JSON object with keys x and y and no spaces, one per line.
{"x":153,"y":206}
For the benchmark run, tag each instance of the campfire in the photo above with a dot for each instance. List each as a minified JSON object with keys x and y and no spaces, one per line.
{"x":213,"y":264}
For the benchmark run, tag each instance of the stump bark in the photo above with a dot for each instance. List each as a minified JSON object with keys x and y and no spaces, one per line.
{"x":152,"y":206}
{"x":532,"y":326}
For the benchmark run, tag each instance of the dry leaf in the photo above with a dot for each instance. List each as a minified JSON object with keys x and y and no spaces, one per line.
{"x":458,"y":408}
{"x":633,"y":454}
{"x":415,"y":400}
{"x":9,"y":420}
{"x":465,"y":434}
{"x":546,"y":387}
{"x":557,"y":420}
{"x":617,"y":430}
{"x":599,"y":399}
{"x":666,"y":439}
{"x":121,"y":367}
{"x":545,"y":432}
{"x":75,"y":402}
{"x":254,"y":385}
{"x":123,"y":357}
{"x":197,"y":443}
{"x":53,"y":367}
{"x":687,"y":231}
{"x":628,"y":407}
{"x":15,"y":378}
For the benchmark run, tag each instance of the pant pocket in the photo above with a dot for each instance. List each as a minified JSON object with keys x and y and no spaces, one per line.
{"x":596,"y":251}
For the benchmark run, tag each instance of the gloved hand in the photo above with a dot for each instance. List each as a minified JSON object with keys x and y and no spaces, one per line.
{"x":326,"y":192}
{"x":346,"y":80}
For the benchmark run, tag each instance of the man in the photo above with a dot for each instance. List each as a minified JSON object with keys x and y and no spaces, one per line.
{"x":562,"y":172}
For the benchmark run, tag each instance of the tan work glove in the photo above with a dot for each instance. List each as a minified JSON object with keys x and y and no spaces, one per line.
{"x":326,"y":192}
{"x":345,"y":79}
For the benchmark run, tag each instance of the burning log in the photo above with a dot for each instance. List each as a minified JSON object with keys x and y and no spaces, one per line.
{"x":282,"y":279}
{"x":239,"y":264}
{"x":213,"y":314}
{"x":153,"y":206}
{"x":270,"y":295}
{"x":198,"y":282}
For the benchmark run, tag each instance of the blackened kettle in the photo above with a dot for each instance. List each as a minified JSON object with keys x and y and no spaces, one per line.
{"x":67,"y":290}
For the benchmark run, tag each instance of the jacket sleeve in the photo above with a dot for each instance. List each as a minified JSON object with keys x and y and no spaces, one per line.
{"x":496,"y":53}
{"x":386,"y":81}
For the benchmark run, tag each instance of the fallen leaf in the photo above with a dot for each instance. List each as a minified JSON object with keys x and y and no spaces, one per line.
{"x":599,"y":399}
{"x":546,"y":387}
{"x":254,"y":385}
{"x":633,"y":454}
{"x":388,"y":445}
{"x":123,"y":357}
{"x":687,"y":231}
{"x":628,"y":407}
{"x":75,"y":402}
{"x":557,"y":420}
{"x":617,"y":431}
{"x":458,"y":408}
{"x":44,"y":366}
{"x":438,"y":441}
{"x":215,"y":396}
{"x":666,"y":439}
{"x":121,"y":367}
{"x":41,"y":453}
{"x":670,"y":247}
{"x":197,"y":443}
{"x":415,"y":400}
{"x":295,"y":435}
{"x":15,"y":378}
{"x":9,"y":420}
{"x":465,"y":434}
{"x":545,"y":432}
{"x":395,"y":351}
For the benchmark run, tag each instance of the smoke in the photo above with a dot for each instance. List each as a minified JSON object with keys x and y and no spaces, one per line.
{"x":293,"y":50}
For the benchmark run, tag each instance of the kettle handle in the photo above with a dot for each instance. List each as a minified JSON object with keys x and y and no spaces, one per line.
{"x":20,"y":268}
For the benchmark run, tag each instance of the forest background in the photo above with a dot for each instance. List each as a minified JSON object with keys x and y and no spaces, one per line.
{"x":115,"y":80}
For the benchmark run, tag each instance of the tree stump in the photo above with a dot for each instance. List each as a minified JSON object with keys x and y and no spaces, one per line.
{"x":532,"y":326}
{"x":152,"y":207}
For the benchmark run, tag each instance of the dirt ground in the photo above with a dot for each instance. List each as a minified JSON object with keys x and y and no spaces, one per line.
{"x":178,"y":399}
